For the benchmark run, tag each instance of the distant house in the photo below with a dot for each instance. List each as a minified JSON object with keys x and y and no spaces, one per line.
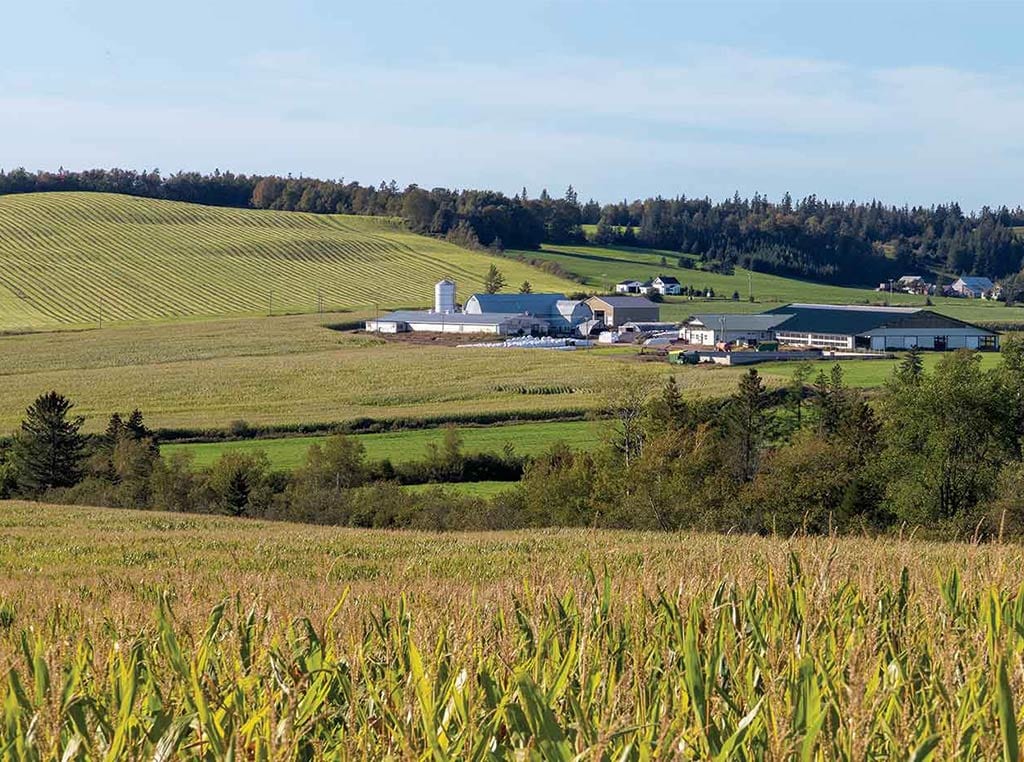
{"x":613,"y":311}
{"x":666,"y":285}
{"x":973,"y":287}
{"x":913,"y":284}
{"x":627,"y":287}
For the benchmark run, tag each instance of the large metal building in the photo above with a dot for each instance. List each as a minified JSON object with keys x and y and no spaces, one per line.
{"x":877,"y":328}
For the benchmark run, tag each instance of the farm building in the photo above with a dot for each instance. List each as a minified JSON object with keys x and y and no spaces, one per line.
{"x":502,"y":314}
{"x":709,"y":330}
{"x":666,"y":285}
{"x":973,"y":287}
{"x":503,"y":324}
{"x":613,"y":311}
{"x":628,"y":287}
{"x":876,"y":328}
{"x":561,"y":314}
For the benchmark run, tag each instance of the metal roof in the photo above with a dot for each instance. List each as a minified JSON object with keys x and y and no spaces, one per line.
{"x":625,"y":301}
{"x":535,"y":304}
{"x":734,"y":322}
{"x":976,"y":282}
{"x":448,"y":318}
{"x":853,"y":320}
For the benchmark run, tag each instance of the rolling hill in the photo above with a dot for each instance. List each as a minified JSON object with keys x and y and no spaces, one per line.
{"x":74,"y":258}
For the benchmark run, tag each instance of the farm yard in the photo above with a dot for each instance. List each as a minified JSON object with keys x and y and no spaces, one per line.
{"x":130,"y":259}
{"x":600,"y":267}
{"x":197,"y":635}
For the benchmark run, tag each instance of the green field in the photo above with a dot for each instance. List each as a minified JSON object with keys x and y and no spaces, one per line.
{"x":292,"y":370}
{"x":412,"y":444}
{"x":468,"y":489}
{"x":148,"y":635}
{"x":865,"y":374}
{"x":602,"y":267}
{"x":74,"y":258}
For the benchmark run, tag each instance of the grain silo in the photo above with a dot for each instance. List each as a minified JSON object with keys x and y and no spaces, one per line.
{"x":444,"y":296}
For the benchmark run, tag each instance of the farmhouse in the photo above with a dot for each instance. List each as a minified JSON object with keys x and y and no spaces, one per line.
{"x":666,"y":285}
{"x":613,"y":311}
{"x":973,"y":287}
{"x":877,"y":328}
{"x":628,"y":287}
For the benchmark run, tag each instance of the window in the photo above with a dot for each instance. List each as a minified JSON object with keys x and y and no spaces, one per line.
{"x":987,"y":342}
{"x":941,"y":343}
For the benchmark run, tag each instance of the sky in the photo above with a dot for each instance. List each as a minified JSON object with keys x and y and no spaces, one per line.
{"x":906,"y":102}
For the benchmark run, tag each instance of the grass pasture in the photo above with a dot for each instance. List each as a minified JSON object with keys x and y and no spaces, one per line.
{"x":71,"y":258}
{"x":145,"y":635}
{"x":411,"y":444}
{"x":864,"y":374}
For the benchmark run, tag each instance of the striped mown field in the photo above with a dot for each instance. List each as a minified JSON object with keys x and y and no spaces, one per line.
{"x":72,"y":258}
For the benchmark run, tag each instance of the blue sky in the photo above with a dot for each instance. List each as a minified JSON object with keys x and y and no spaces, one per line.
{"x":906,"y":102}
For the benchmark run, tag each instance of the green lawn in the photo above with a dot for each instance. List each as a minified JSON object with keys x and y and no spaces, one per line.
{"x":601,"y":267}
{"x":865,"y":374}
{"x":402,"y":446}
{"x":467,"y":489}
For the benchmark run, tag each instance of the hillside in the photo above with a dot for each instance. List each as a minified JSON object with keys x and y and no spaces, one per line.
{"x":72,"y":258}
{"x":600,"y":267}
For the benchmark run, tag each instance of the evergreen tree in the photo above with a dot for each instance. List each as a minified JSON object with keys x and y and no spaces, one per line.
{"x":48,"y":450}
{"x":748,"y":425}
{"x":526,"y":288}
{"x":494,"y":281}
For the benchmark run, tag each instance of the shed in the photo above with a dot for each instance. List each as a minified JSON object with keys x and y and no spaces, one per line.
{"x":614,"y":311}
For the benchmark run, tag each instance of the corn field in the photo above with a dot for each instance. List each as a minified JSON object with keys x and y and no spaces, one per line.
{"x":797,"y":666}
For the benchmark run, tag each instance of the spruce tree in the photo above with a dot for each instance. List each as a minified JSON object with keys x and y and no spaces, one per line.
{"x":48,"y":450}
{"x":494,"y":281}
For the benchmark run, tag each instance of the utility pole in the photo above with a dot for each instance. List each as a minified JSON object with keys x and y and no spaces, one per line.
{"x":750,"y":290}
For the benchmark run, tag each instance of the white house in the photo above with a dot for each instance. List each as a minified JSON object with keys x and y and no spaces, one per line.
{"x":666,"y":285}
{"x":627,"y":287}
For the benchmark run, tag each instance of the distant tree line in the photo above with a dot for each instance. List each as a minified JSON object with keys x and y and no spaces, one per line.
{"x":942,"y":451}
{"x":838,"y":242}
{"x":843,"y":243}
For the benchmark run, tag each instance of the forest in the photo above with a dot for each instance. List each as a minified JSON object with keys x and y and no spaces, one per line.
{"x":939,"y":452}
{"x":845,"y":243}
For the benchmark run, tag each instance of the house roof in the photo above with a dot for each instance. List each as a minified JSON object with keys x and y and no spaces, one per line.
{"x":447,"y":318}
{"x":628,"y":283}
{"x":976,"y":282}
{"x":733,"y":322}
{"x":910,"y":279}
{"x":668,"y":280}
{"x":534,"y":304}
{"x":624,"y":301}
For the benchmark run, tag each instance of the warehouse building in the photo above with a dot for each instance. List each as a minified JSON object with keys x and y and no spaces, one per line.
{"x":877,"y":328}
